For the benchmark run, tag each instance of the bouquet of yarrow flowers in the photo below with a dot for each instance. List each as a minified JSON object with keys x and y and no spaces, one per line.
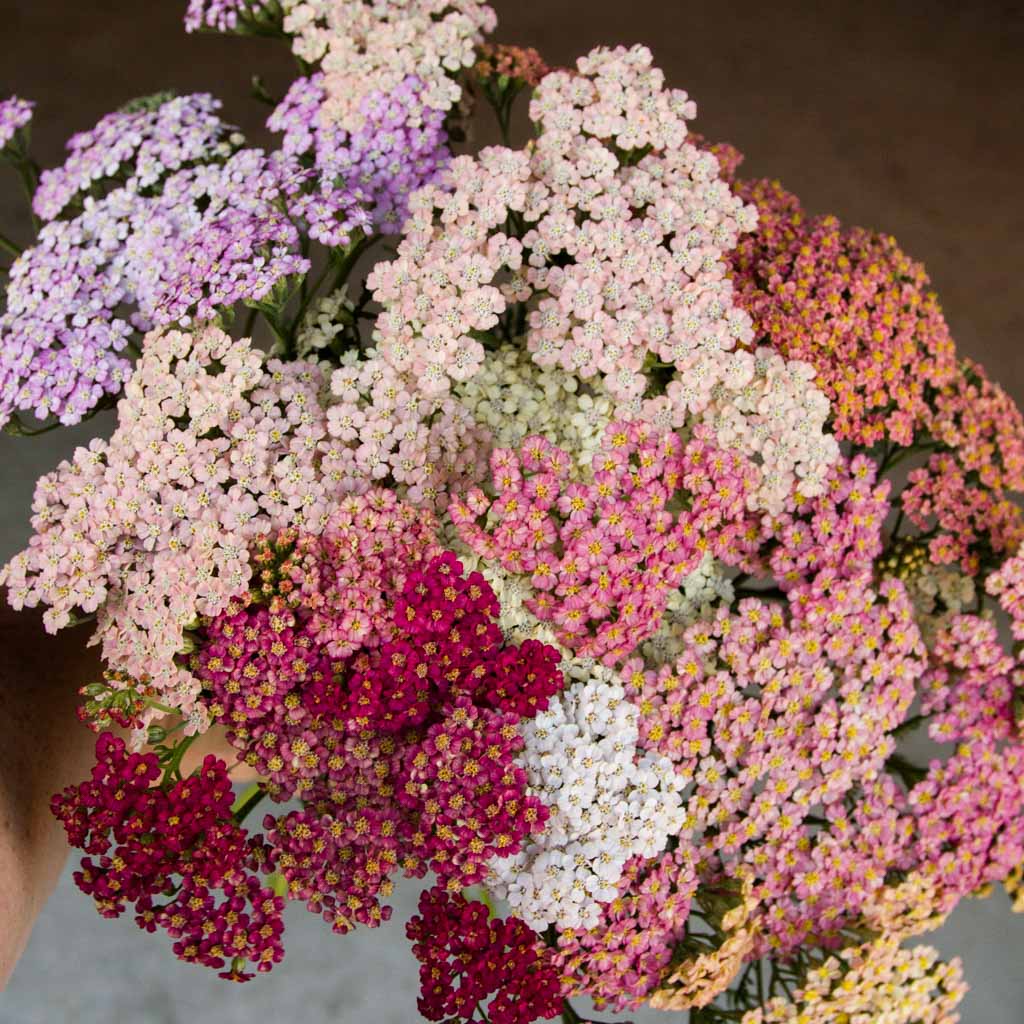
{"x":588,"y":530}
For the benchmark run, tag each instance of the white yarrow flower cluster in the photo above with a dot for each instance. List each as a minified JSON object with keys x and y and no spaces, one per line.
{"x":607,"y":803}
{"x":323,"y":322}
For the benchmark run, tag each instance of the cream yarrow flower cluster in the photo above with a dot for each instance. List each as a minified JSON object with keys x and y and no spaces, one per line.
{"x":512,"y":397}
{"x":877,"y":981}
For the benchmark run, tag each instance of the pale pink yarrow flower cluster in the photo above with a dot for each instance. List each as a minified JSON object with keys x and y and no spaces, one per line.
{"x":363,"y":48}
{"x":608,"y":237}
{"x":389,"y":430}
{"x":213,"y":448}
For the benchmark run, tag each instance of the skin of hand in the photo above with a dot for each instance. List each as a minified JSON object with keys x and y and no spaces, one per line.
{"x":43,"y":748}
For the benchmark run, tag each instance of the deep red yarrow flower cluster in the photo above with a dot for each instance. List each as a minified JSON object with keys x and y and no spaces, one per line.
{"x":852,"y":304}
{"x":469,"y":960}
{"x":177,"y":842}
{"x":448,"y":643}
{"x":603,"y":555}
{"x":403,"y":753}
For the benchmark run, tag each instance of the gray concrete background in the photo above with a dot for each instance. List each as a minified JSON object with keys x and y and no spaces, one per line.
{"x":894,"y":114}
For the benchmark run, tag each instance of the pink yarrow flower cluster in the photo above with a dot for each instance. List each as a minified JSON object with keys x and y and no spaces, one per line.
{"x":602,"y":556}
{"x":364,"y":48}
{"x":214,"y":448}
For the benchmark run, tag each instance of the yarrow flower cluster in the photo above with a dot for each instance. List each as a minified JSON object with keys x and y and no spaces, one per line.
{"x":467,"y":959}
{"x":874,"y":981}
{"x":608,"y":804}
{"x":389,"y":707}
{"x":365,"y":48}
{"x":175,"y":840}
{"x":15,"y":114}
{"x":228,"y":15}
{"x":851,"y":304}
{"x":213,"y":448}
{"x":393,"y":152}
{"x":603,"y":556}
{"x":135,"y":147}
{"x":555,"y":549}
{"x":615,"y":265}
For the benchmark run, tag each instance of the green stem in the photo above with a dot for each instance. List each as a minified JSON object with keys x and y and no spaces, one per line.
{"x":307,"y":295}
{"x":896,"y":526}
{"x":157,"y":706}
{"x":28,"y":173}
{"x":172,"y":769}
{"x":18,"y":429}
{"x":347,"y":260}
{"x":909,"y":724}
{"x":10,"y":247}
{"x":282,"y":336}
{"x":247,"y":802}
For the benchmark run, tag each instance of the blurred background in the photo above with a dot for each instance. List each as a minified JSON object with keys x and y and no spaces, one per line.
{"x":903,"y":115}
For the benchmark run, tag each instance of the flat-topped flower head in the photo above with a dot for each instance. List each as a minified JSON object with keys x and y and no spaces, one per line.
{"x":603,"y":554}
{"x":136,"y":147}
{"x":611,"y":227}
{"x":366,"y":48}
{"x":399,"y":146}
{"x":152,"y":837}
{"x":186,"y":248}
{"x":874,"y":981}
{"x":471,"y":960}
{"x":215,"y":446}
{"x":15,"y":115}
{"x":850,"y":303}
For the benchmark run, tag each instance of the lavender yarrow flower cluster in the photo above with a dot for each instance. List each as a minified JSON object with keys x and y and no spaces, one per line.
{"x":399,"y":146}
{"x":15,"y":114}
{"x":136,"y":147}
{"x":216,"y":234}
{"x":219,"y":15}
{"x":219,"y":235}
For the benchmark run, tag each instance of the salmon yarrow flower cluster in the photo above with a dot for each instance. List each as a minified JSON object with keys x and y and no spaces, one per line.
{"x":589,"y":535}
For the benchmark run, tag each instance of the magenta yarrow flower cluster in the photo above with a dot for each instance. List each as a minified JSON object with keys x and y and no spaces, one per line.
{"x":390,"y":709}
{"x":557,"y":550}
